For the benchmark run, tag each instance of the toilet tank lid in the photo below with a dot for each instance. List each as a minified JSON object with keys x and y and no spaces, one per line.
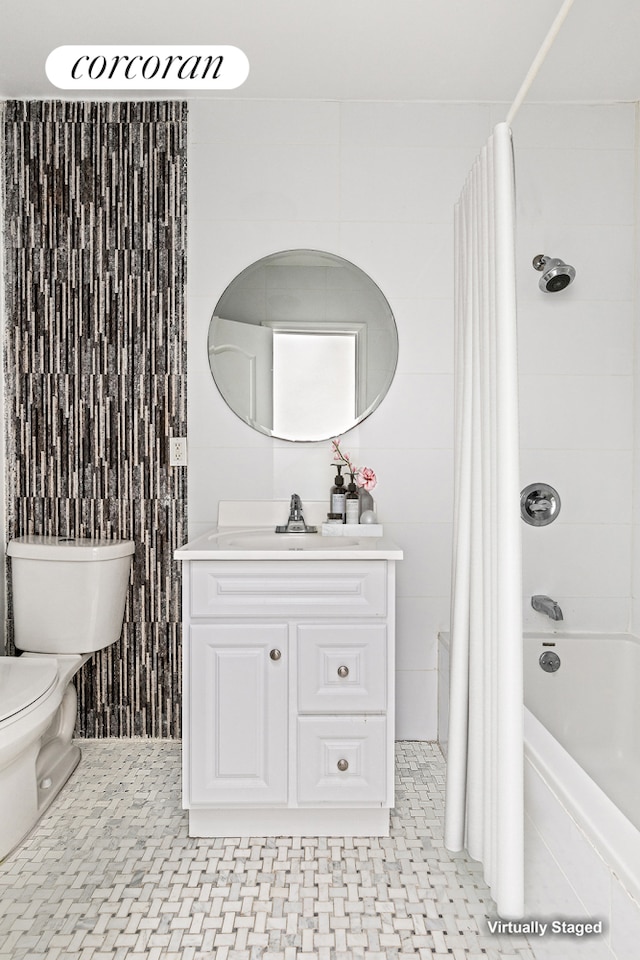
{"x":80,"y":549}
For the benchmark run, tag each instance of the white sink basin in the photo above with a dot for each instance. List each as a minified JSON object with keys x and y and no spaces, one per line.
{"x":264,"y":544}
{"x":268,"y":540}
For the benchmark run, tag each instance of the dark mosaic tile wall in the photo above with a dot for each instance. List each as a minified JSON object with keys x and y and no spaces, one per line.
{"x":95,"y":223}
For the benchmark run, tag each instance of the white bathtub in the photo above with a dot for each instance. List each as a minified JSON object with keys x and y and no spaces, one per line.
{"x":582,"y":788}
{"x":582,"y":782}
{"x":591,"y":706}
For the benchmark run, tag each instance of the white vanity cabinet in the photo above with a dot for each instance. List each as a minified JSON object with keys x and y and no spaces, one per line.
{"x":288,"y":698}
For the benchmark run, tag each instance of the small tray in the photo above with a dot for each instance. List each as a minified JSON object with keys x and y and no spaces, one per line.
{"x":352,"y":530}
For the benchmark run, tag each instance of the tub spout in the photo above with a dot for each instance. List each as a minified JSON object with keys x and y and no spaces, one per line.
{"x":546,"y":605}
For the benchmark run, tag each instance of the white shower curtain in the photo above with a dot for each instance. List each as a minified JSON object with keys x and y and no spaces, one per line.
{"x":484,"y":797}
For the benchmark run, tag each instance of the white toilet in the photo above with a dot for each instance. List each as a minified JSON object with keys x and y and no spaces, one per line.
{"x":68,"y":601}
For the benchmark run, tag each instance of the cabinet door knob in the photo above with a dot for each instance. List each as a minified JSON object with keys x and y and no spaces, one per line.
{"x":275,"y":654}
{"x":343,"y":671}
{"x":343,"y":765}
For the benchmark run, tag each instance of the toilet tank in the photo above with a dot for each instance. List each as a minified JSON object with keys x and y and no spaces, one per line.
{"x":68,"y":593}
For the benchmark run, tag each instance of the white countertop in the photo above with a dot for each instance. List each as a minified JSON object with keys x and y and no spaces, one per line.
{"x":262,"y":543}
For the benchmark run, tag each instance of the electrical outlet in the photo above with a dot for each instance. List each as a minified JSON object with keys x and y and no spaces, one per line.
{"x":177,"y":451}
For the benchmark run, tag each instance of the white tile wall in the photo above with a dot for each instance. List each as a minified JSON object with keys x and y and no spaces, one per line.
{"x":576,"y":126}
{"x":587,"y":338}
{"x":563,"y":178}
{"x":374,"y":183}
{"x":575,"y":170}
{"x":576,"y":413}
{"x":635,"y":569}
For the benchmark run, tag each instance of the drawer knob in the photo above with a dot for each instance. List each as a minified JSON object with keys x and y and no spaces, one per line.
{"x":343,"y":671}
{"x":343,"y":765}
{"x":275,"y":654}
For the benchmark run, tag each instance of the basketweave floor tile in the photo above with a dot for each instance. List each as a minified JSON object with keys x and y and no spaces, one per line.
{"x":110,"y":874}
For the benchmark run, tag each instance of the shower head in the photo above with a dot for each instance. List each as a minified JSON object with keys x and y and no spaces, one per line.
{"x":556,"y":275}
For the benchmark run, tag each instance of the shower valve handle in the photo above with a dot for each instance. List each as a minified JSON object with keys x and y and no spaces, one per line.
{"x":539,"y":506}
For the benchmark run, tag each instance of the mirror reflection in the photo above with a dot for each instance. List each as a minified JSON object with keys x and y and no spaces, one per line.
{"x":302,"y":345}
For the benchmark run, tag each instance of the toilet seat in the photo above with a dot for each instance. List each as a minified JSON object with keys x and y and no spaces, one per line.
{"x":24,"y":681}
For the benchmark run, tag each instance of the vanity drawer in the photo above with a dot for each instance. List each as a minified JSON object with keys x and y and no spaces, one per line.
{"x":342,"y":668}
{"x":342,"y":760}
{"x":288,"y":588}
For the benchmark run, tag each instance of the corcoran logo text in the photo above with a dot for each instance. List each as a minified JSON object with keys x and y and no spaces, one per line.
{"x":147,"y":67}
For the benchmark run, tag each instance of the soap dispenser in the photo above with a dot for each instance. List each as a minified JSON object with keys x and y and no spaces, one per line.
{"x":338,"y":494}
{"x":352,"y":502}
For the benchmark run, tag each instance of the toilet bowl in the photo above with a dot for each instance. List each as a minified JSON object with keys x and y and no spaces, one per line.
{"x":68,"y":601}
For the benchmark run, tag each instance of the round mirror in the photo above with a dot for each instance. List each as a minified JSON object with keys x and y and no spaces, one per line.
{"x":302,"y":345}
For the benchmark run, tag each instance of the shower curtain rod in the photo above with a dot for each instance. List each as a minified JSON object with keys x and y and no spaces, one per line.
{"x":539,"y":59}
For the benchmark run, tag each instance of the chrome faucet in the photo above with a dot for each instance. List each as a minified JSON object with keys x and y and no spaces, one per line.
{"x":296,"y":522}
{"x":546,"y":605}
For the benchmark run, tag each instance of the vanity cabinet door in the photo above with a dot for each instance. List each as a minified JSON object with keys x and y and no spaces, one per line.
{"x":239,"y":713}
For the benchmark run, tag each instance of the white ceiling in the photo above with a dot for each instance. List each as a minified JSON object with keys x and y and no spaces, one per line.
{"x":478,"y":50}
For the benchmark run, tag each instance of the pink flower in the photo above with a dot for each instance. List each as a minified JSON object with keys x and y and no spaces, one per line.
{"x":366,"y":478}
{"x":363,"y":476}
